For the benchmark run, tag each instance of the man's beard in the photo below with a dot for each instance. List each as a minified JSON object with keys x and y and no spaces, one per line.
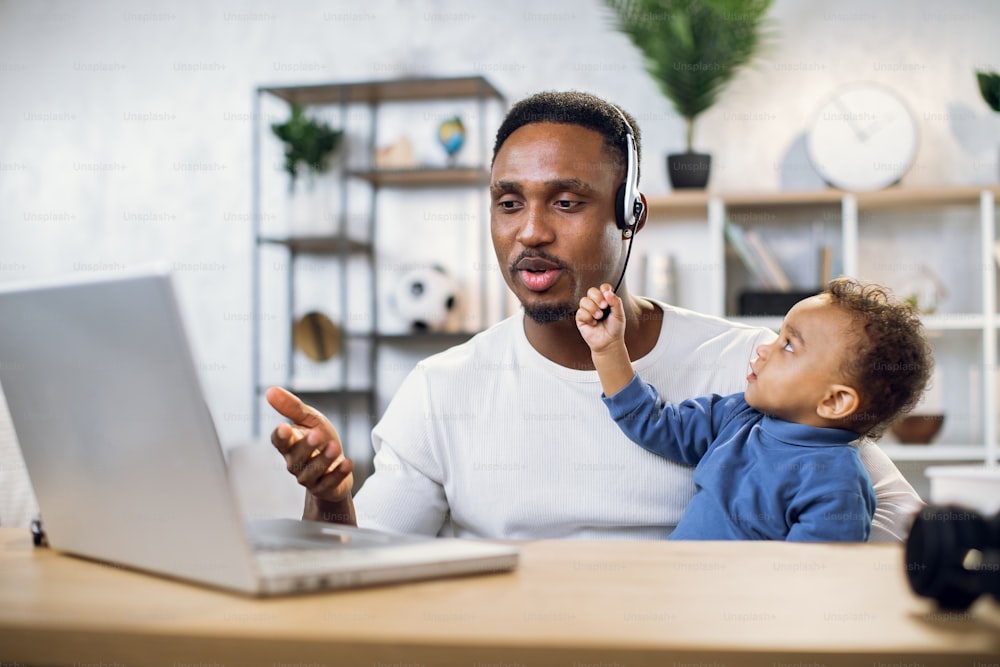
{"x":549,"y":313}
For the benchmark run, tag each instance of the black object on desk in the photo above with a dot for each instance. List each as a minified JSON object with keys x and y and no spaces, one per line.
{"x":953,"y":556}
{"x":38,"y":533}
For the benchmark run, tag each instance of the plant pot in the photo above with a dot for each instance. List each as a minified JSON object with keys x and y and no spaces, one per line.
{"x":689,"y":170}
{"x":311,"y":205}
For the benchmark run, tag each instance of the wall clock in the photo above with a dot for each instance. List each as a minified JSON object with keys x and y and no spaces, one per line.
{"x":863,"y":137}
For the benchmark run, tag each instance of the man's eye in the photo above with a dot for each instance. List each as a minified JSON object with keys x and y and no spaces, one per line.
{"x":788,"y":347}
{"x":507,"y":204}
{"x":566,"y":204}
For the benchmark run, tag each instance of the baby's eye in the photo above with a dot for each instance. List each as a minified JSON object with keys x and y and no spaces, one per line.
{"x":788,"y":347}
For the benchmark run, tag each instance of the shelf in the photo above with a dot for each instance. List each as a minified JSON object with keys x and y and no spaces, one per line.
{"x":698,"y":200}
{"x":356,"y":286}
{"x":861,"y":229}
{"x":931,"y":323}
{"x":958,"y":322}
{"x":424,"y":177}
{"x":318,"y":390}
{"x":924,"y":197}
{"x":679,"y":203}
{"x":890,"y":197}
{"x":319,"y":245}
{"x":315,"y":389}
{"x":898,"y":452}
{"x":437,"y":338}
{"x":390,"y":90}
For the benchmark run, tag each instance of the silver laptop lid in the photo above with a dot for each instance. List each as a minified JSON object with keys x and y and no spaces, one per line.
{"x":117,"y":439}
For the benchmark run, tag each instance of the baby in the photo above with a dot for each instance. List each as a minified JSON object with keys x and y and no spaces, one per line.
{"x":777,"y":462}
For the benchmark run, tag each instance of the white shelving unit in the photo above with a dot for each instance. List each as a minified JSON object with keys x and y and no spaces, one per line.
{"x":886,"y":236}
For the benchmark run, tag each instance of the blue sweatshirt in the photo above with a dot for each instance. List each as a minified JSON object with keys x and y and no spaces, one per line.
{"x":756,"y":477}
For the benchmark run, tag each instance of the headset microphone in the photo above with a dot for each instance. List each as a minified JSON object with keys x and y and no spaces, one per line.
{"x":628,"y":202}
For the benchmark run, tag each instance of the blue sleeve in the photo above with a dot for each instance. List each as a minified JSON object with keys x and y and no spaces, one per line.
{"x":681,"y":432}
{"x":835,"y":517}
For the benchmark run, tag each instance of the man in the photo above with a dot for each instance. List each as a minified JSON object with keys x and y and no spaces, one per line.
{"x":499,"y":437}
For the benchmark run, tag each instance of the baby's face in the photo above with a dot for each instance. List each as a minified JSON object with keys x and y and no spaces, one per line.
{"x":791,"y":375}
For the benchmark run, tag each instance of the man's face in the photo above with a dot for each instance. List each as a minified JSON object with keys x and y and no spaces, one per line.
{"x":552,"y":216}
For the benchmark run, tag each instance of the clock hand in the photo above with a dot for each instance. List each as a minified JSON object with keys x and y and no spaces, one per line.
{"x":849,"y":117}
{"x":876,"y":126}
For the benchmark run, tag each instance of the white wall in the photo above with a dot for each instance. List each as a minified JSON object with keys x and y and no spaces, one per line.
{"x":125,"y":127}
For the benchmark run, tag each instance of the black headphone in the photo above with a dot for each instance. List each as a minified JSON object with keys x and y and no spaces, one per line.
{"x":628,"y":202}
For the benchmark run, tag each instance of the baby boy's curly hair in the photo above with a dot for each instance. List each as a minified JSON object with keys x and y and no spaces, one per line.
{"x":893,"y":363}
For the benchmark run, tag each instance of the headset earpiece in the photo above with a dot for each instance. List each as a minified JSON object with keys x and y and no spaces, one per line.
{"x":621,"y":217}
{"x":628,"y":202}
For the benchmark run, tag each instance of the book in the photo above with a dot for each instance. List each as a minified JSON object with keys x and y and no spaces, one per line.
{"x":736,"y":237}
{"x":825,"y":265}
{"x":776,"y":275}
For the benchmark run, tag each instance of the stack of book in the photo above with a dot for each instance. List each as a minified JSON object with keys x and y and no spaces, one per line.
{"x":757,"y":258}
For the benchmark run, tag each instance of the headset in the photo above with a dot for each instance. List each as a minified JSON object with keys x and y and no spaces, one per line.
{"x":628,"y":202}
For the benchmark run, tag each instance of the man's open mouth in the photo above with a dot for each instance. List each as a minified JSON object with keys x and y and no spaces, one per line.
{"x":537,"y":273}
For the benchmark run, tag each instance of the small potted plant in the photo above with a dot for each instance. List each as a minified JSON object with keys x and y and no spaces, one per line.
{"x":989,"y":88}
{"x":693,"y":49}
{"x":309,"y":143}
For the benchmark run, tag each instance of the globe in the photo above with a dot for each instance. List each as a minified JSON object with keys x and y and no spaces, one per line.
{"x":451,"y":135}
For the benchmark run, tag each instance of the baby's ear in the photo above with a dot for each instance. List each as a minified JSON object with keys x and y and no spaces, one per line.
{"x":838,"y":403}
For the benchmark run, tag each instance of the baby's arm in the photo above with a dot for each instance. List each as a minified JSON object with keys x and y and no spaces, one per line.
{"x":606,"y":337}
{"x":838,"y":517}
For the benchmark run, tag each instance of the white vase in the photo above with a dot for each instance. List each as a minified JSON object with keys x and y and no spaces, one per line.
{"x":311,"y":205}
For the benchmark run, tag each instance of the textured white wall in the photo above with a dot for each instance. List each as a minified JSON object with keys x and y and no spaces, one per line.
{"x":125,"y":127}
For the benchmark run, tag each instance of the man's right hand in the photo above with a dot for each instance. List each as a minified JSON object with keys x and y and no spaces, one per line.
{"x":314,"y":454}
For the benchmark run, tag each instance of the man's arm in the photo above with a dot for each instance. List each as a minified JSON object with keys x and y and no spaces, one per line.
{"x":898,"y":503}
{"x":314,"y":454}
{"x":320,"y":510}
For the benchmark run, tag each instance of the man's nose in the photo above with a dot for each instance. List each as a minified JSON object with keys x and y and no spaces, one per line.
{"x":536,"y":229}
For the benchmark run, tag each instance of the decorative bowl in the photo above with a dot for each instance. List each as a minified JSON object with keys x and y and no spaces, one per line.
{"x":917,"y":429}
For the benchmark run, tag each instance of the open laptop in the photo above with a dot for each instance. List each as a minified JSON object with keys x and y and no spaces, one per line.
{"x":126,"y":464}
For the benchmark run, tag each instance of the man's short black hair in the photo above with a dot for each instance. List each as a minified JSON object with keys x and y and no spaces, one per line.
{"x":572,"y":108}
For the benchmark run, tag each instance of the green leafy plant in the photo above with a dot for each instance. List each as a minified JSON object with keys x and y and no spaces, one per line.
{"x":989,"y":88}
{"x":308,"y":143}
{"x":693,"y":48}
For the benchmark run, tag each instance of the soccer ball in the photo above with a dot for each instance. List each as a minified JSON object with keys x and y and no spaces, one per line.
{"x":426,"y":298}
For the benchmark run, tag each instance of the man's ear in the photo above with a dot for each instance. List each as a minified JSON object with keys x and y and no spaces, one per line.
{"x":838,"y":403}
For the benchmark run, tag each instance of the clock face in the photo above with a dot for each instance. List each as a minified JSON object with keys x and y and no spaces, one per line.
{"x":863,"y":138}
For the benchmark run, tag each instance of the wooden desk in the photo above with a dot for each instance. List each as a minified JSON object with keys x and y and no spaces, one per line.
{"x":570,"y":603}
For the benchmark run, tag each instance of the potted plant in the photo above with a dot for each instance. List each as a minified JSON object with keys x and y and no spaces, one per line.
{"x":693,"y":49}
{"x":989,"y":88}
{"x":308,"y":143}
